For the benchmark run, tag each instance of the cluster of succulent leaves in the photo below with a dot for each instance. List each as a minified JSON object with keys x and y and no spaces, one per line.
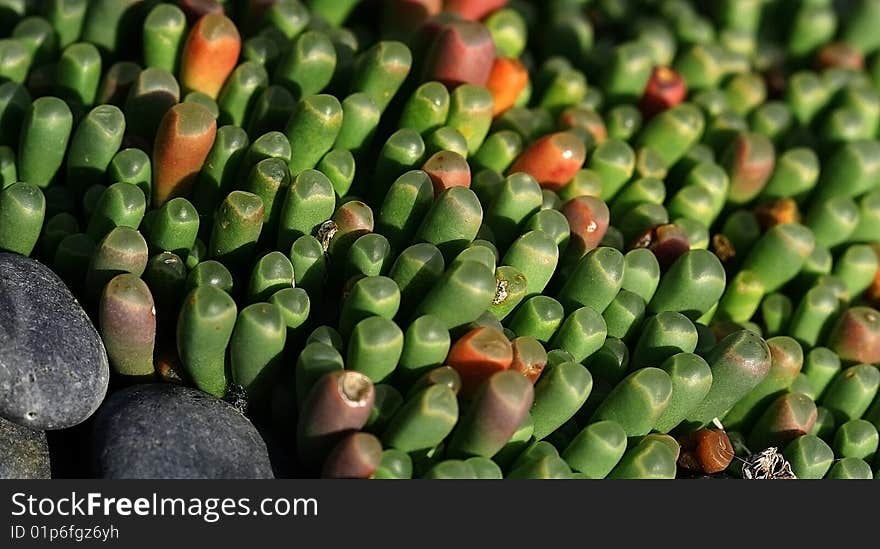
{"x":468,"y":239}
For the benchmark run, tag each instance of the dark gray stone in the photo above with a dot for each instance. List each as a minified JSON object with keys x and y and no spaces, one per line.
{"x":53,"y":366}
{"x":163,"y":430}
{"x":24,"y":453}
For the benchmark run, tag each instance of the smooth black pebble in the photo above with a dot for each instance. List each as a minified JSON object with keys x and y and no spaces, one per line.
{"x":24,"y":453}
{"x":163,"y":430}
{"x":53,"y":366}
